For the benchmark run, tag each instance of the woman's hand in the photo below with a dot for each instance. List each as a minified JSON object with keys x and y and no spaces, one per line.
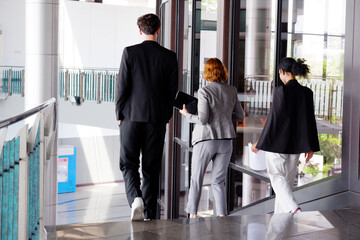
{"x":253,"y":147}
{"x":308,"y":156}
{"x":184,"y":111}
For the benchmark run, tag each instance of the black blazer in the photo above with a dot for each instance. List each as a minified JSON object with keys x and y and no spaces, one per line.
{"x":291,"y":126}
{"x":148,"y":82}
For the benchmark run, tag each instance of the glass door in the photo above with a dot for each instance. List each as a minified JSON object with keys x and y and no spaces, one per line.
{"x":182,"y":130}
{"x":201,"y":41}
{"x":315,"y":30}
{"x":309,"y":29}
{"x":255,"y":58}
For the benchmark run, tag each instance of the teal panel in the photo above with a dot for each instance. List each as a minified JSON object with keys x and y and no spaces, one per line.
{"x":1,"y":196}
{"x":60,"y":83}
{"x":29,"y":206}
{"x":1,"y":187}
{"x":16,"y":202}
{"x":85,"y":85}
{"x":11,"y":190}
{"x":16,"y":187}
{"x":37,"y":190}
{"x":34,"y":191}
{"x":5,"y":196}
{"x":5,"y":81}
{"x":93,"y":86}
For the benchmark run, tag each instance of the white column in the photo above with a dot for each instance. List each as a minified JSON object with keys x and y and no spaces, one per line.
{"x":258,"y":37}
{"x":41,"y":77}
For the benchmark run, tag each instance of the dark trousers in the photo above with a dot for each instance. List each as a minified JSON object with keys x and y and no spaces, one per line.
{"x":147,"y":138}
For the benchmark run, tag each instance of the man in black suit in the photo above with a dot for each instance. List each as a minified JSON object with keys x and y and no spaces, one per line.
{"x":148,"y":82}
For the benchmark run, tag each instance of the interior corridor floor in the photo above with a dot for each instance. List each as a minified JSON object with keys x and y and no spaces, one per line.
{"x":329,"y":225}
{"x":102,"y":212}
{"x":92,"y":204}
{"x":107,"y":203}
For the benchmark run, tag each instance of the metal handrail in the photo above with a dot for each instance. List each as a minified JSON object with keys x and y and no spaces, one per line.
{"x":99,"y":69}
{"x":28,"y":113}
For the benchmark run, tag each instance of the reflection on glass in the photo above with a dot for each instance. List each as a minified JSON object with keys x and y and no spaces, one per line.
{"x":206,"y":45}
{"x":184,"y":154}
{"x":318,"y":36}
{"x":138,"y":3}
{"x":256,"y":47}
{"x":313,"y":30}
{"x":207,"y":22}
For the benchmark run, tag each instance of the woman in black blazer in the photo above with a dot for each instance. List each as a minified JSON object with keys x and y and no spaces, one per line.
{"x":290,"y":130}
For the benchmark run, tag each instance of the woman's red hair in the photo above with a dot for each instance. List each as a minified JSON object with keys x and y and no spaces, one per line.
{"x":215,"y":71}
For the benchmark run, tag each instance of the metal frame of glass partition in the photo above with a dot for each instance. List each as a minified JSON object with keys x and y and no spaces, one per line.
{"x":320,"y":195}
{"x":178,"y":142}
{"x":351,"y":122}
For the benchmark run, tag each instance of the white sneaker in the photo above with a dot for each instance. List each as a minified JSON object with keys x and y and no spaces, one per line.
{"x":137,"y":210}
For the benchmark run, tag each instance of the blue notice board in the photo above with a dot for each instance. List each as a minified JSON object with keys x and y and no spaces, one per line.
{"x":66,"y":169}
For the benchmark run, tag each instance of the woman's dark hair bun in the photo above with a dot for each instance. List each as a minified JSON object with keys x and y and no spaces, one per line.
{"x":298,"y":67}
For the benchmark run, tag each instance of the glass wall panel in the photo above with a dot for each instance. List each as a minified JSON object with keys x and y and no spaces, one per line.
{"x":255,"y":84}
{"x":183,"y":128}
{"x":208,"y":49}
{"x":310,"y":29}
{"x":318,"y":35}
{"x":201,"y":42}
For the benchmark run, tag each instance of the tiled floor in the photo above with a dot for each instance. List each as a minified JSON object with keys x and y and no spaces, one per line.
{"x":107,"y":203}
{"x":329,"y":225}
{"x":93,"y":204}
{"x":102,"y":212}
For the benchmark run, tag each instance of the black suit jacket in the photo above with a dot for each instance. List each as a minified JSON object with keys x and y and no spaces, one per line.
{"x":148,"y":82}
{"x":291,"y":126}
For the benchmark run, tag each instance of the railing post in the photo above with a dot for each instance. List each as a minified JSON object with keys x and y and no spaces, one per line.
{"x":98,"y":88}
{"x":22,"y":82}
{"x":9,"y":82}
{"x":116,"y":81}
{"x":66,"y":94}
{"x":82,"y":75}
{"x":23,"y":183}
{"x":106,"y":97}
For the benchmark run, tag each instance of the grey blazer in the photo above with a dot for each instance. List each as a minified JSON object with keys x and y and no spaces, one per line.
{"x":218,"y":106}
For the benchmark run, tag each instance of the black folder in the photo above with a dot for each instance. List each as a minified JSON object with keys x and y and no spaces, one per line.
{"x":189,"y":101}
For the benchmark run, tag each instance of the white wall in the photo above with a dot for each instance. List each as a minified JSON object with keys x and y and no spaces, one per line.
{"x":12,"y":106}
{"x":94,"y":35}
{"x":90,"y":36}
{"x":102,"y":159}
{"x":88,"y":113}
{"x":12,"y":21}
{"x":1,"y":44}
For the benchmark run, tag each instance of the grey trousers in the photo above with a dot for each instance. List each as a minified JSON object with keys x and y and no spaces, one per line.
{"x":219,"y":151}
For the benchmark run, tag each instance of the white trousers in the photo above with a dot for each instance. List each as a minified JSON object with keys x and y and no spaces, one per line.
{"x":282,"y":170}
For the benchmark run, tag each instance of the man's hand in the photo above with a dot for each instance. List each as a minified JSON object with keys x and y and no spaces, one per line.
{"x":253,"y":147}
{"x":184,"y":111}
{"x":308,"y":156}
{"x":119,"y":122}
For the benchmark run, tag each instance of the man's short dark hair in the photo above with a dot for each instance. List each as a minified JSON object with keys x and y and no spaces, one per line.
{"x":149,"y":23}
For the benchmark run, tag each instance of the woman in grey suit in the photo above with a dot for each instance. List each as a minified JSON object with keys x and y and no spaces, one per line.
{"x":218,"y":107}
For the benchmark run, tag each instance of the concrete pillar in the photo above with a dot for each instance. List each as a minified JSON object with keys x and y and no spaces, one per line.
{"x":222,"y":31}
{"x":41,"y":74}
{"x":258,"y":37}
